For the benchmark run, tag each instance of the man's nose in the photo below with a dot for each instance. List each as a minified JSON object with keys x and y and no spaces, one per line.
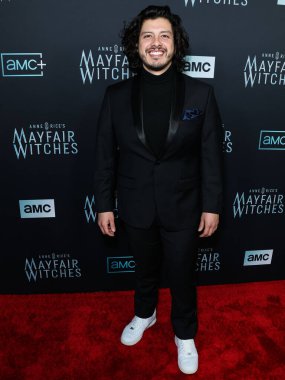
{"x":156,"y":40}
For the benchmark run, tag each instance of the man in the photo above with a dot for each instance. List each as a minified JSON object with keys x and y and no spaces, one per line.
{"x":159,"y":144}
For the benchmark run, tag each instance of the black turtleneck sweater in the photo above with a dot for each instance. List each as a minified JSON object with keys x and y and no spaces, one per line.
{"x":157,"y":91}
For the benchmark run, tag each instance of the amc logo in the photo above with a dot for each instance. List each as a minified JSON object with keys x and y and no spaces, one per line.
{"x":258,"y":257}
{"x":122,"y":264}
{"x":271,"y":140}
{"x":22,"y":64}
{"x":37,"y":208}
{"x":199,"y":66}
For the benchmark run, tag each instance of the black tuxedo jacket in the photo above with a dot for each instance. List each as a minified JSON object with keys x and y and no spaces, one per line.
{"x":179,"y":185}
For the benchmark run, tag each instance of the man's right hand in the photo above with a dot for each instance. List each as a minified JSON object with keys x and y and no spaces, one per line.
{"x":106,"y":222}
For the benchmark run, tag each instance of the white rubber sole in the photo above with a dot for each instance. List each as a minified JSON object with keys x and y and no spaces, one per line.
{"x":187,"y":372}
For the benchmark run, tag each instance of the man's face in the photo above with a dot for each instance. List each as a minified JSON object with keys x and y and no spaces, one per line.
{"x":156,"y":45}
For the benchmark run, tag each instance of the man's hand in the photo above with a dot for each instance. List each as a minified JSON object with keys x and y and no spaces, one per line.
{"x":106,"y":222}
{"x":208,"y":224}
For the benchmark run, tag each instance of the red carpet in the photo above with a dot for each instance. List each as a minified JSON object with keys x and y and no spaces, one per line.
{"x":76,"y":336}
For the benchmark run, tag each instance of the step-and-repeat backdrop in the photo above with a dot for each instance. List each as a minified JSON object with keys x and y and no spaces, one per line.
{"x":57,"y":57}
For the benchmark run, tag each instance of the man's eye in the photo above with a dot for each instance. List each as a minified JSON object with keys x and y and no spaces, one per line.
{"x":147,"y":36}
{"x":165,"y":36}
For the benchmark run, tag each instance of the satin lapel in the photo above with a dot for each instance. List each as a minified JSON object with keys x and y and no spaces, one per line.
{"x":137,"y":108}
{"x":177,"y":105}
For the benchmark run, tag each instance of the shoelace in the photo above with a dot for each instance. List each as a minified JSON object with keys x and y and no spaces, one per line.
{"x":135,"y":323}
{"x":184,"y":348}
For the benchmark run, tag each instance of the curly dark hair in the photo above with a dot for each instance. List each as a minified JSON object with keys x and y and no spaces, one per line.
{"x":130,"y":36}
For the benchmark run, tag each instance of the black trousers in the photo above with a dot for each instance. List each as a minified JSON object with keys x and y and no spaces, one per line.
{"x":179,"y":251}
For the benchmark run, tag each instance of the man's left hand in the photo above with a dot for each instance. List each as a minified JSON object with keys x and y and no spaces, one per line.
{"x":208,"y":224}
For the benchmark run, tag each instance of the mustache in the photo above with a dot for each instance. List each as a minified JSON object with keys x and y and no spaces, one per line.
{"x":156,"y":48}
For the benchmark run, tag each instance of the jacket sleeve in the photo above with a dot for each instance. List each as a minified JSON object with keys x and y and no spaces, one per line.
{"x":105,"y":154}
{"x":211,"y":157}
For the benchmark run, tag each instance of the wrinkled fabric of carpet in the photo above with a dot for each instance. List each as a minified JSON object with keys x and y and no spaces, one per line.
{"x":77,"y":336}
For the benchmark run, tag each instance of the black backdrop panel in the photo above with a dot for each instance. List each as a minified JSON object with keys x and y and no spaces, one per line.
{"x":56,"y":60}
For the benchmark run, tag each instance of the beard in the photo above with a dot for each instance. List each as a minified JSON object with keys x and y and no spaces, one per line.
{"x":153,"y":65}
{"x":156,"y":67}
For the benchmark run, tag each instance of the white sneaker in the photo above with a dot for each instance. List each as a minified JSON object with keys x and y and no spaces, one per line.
{"x":133,"y":332}
{"x":187,"y":355}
